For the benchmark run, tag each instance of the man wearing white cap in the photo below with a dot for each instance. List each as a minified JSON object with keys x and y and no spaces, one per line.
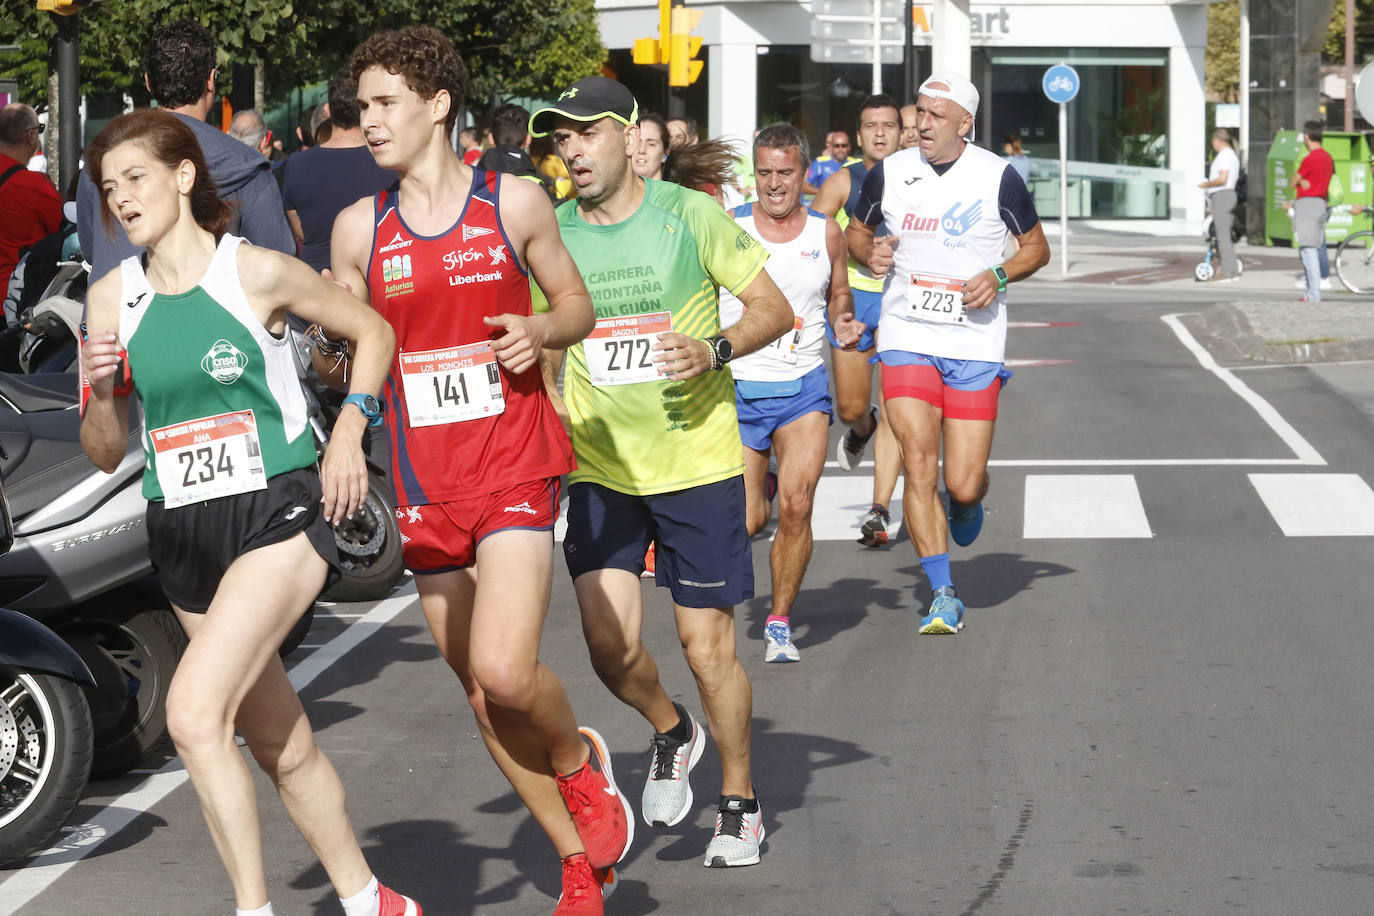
{"x":950,"y":207}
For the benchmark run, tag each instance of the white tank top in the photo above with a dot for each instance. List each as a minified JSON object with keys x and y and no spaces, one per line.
{"x":801,"y":269}
{"x":951,"y":228}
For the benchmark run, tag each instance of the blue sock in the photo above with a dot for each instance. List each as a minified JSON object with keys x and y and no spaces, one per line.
{"x":937,"y":570}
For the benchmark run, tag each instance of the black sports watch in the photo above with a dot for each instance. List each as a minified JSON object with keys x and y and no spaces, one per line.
{"x":369,"y":405}
{"x":722,"y":351}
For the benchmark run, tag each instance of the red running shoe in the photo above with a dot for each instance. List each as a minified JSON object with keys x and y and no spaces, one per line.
{"x":394,"y":904}
{"x":585,"y":889}
{"x":649,"y":564}
{"x":599,"y":809}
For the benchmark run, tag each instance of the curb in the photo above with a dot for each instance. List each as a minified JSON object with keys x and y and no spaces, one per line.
{"x":1225,"y":329}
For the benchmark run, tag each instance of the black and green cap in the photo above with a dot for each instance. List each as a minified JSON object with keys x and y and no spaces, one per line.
{"x":589,"y":99}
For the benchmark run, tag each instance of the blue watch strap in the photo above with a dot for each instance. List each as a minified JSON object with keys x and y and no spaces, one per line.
{"x":374,"y":417}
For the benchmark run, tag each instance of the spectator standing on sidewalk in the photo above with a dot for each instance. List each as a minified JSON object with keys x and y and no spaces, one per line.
{"x":1309,"y":209}
{"x":1220,"y":186}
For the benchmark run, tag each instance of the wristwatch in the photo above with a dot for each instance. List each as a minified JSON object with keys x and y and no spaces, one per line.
{"x":1000,"y":273}
{"x":722,"y":351}
{"x":369,"y":405}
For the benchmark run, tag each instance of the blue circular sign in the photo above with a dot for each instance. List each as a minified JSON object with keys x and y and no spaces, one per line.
{"x":1060,"y":83}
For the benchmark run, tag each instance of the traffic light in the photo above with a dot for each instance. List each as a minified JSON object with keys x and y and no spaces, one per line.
{"x":63,"y":7}
{"x":683,"y":47}
{"x":675,"y":45}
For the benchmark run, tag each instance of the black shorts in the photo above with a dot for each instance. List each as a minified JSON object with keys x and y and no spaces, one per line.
{"x":192,"y":546}
{"x":703,"y":555}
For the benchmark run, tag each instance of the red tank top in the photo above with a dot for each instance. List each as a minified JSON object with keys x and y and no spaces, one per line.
{"x":460,"y":425}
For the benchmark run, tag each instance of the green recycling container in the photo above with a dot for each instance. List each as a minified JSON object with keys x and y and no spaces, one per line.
{"x":1351,"y":185}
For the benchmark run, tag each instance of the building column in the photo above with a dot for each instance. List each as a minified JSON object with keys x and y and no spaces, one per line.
{"x":734,"y":91}
{"x":1187,"y":132}
{"x":952,"y":45}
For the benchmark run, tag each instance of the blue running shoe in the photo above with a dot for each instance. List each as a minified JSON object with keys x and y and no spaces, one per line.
{"x":946,"y":614}
{"x":964,"y":522}
{"x":777,"y":643}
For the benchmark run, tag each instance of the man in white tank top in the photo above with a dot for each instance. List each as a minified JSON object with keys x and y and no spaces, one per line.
{"x":782,"y":392}
{"x":950,"y":206}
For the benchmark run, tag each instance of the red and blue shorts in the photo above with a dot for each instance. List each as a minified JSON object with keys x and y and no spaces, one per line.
{"x":963,"y":389}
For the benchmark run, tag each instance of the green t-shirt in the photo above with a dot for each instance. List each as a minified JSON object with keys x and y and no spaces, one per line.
{"x":671,"y":257}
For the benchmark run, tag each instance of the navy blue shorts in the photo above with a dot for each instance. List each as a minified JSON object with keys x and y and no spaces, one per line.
{"x":703,"y":555}
{"x":760,"y":417}
{"x":868,"y":308}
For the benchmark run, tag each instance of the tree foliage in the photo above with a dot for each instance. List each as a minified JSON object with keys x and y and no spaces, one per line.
{"x":522,"y":47}
{"x":1223,"y":50}
{"x":1334,"y":50}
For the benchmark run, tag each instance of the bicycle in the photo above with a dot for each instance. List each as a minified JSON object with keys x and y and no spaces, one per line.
{"x":1355,"y":257}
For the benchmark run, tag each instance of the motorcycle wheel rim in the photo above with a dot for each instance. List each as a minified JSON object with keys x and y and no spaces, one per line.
{"x":20,"y":781}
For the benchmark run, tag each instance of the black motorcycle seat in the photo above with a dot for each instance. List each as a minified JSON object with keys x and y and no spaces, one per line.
{"x":36,"y":393}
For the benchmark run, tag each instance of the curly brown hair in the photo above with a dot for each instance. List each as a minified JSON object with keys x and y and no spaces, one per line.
{"x":421,"y":55}
{"x":171,"y":142}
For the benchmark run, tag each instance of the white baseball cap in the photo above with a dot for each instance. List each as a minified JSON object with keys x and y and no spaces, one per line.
{"x":960,"y":91}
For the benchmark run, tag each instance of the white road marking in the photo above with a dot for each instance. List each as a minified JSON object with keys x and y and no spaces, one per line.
{"x":1302,"y":449}
{"x":1318,"y":505}
{"x":1084,"y":506}
{"x":27,"y":883}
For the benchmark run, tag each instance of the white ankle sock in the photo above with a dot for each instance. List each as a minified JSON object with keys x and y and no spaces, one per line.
{"x":265,"y":910}
{"x":367,"y":902}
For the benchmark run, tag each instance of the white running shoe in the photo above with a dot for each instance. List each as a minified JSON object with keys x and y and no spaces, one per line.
{"x":738,"y":834}
{"x":777,"y":643}
{"x":668,"y":791}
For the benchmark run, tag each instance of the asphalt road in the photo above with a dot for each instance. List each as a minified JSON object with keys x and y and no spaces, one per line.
{"x":1160,"y":703}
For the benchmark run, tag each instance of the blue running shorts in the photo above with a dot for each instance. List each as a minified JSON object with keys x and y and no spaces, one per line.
{"x":760,"y":417}
{"x":703,"y":555}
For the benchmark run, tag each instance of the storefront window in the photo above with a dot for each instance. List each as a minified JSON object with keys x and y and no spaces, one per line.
{"x":1119,"y":119}
{"x":819,"y":98}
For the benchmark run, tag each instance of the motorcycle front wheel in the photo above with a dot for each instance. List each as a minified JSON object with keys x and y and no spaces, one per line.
{"x":369,"y":549}
{"x":46,"y":741}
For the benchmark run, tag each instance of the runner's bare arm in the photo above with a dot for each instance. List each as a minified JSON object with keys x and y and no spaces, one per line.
{"x":274,"y":283}
{"x":866,"y":249}
{"x":526,"y":213}
{"x":105,"y":427}
{"x":767,"y":316}
{"x":834,"y":192}
{"x":293,"y":219}
{"x":550,"y":366}
{"x":1034,"y":253}
{"x":840,"y":311}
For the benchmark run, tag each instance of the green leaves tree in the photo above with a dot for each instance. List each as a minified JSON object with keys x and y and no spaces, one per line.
{"x":524,"y":47}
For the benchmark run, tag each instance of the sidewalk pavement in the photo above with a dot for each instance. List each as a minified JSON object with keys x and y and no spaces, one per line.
{"x":1255,"y":317}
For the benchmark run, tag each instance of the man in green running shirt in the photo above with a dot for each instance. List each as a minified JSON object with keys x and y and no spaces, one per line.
{"x":659,"y":460}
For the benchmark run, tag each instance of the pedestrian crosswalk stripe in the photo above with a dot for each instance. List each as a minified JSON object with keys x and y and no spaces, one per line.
{"x":1317,"y":505}
{"x":1084,"y":506}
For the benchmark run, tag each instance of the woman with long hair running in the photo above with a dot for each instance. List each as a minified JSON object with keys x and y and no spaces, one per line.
{"x":238,"y":516}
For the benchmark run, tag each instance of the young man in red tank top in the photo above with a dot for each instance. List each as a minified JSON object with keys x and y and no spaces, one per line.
{"x":477,"y":448}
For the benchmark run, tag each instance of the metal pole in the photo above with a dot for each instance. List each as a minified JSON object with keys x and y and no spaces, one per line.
{"x":1349,"y":66}
{"x":1063,"y":188}
{"x":877,"y":46}
{"x":68,"y":103}
{"x":909,"y":55}
{"x":1245,"y":83}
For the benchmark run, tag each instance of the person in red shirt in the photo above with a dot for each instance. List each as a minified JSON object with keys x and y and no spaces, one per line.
{"x":446,"y":254}
{"x":1310,"y":209}
{"x":30,"y":206}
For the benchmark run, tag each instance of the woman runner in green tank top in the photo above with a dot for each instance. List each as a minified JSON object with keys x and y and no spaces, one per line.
{"x":204,"y":322}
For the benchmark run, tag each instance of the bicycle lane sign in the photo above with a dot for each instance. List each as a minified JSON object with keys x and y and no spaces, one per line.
{"x":1060,"y":83}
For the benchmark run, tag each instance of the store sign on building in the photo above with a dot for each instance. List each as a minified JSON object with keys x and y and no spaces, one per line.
{"x":985,"y":23}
